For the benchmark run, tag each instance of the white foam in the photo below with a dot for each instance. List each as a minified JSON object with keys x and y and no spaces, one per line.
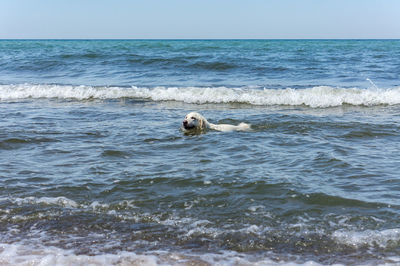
{"x":369,"y":238}
{"x":61,"y":201}
{"x":320,"y":96}
{"x":255,"y":208}
{"x":98,"y":206}
{"x":19,"y":254}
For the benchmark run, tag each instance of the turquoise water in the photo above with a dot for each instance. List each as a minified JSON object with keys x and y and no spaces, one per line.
{"x":95,"y":169}
{"x":273,"y":64}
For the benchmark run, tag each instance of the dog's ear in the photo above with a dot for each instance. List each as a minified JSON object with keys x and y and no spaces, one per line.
{"x":201,"y":122}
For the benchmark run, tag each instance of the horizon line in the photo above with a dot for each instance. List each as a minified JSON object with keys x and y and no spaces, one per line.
{"x":194,"y":39}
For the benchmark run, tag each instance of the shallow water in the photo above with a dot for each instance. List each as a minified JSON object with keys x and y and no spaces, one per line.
{"x":103,"y":174}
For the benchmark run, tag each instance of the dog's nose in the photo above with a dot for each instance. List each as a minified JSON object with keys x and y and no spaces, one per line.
{"x":184,"y":122}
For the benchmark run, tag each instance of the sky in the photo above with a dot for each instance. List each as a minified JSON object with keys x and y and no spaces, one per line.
{"x":200,"y":19}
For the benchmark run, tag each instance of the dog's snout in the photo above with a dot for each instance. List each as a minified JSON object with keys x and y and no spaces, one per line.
{"x":184,"y":122}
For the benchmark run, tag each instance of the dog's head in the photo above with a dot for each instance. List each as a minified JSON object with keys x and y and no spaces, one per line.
{"x":194,"y":121}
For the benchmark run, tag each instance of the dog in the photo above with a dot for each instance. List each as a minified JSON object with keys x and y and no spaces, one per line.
{"x":196,"y":122}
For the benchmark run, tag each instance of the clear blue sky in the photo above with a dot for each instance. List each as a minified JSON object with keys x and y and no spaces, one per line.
{"x":199,"y":19}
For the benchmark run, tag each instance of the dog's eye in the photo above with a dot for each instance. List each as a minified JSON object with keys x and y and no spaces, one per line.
{"x":194,"y":118}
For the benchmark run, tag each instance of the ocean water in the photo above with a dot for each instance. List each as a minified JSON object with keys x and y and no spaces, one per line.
{"x":95,"y":170}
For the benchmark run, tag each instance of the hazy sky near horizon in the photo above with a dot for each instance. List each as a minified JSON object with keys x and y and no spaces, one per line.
{"x":192,"y":19}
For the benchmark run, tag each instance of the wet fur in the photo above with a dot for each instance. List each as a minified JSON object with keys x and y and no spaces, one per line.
{"x":196,"y":122}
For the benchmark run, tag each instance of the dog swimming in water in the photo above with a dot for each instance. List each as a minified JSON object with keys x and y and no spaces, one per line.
{"x":196,"y":122}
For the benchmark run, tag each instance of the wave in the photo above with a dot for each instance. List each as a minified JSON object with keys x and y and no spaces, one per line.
{"x":38,"y":254}
{"x":213,"y":65}
{"x":286,"y":243}
{"x":389,"y":238}
{"x":319,"y":96}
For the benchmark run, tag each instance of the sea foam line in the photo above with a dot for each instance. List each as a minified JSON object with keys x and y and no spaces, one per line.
{"x":320,"y":96}
{"x":34,"y":254}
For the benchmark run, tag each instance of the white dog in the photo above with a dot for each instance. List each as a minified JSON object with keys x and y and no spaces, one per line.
{"x":195,"y":121}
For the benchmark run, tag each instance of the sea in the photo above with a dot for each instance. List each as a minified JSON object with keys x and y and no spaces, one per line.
{"x":96,"y":170}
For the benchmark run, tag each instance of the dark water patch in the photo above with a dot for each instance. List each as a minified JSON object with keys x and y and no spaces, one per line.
{"x":158,"y":61}
{"x":217,"y":66}
{"x":361,"y":176}
{"x":16,"y":143}
{"x":265,"y":126}
{"x":39,"y":66}
{"x":115,"y":153}
{"x":59,"y":152}
{"x":321,"y":199}
{"x":323,"y":160}
{"x":162,"y":140}
{"x":37,"y":179}
{"x":15,"y":140}
{"x":373,"y":66}
{"x":96,"y":134}
{"x":270,"y":70}
{"x":368,"y":133}
{"x":89,"y":55}
{"x":379,"y":56}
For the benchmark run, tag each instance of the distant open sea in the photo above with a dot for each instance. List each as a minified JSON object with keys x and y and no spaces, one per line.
{"x":95,"y":170}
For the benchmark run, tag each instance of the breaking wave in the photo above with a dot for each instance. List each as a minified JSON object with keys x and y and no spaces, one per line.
{"x":320,"y":96}
{"x":21,"y":245}
{"x":28,"y":254}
